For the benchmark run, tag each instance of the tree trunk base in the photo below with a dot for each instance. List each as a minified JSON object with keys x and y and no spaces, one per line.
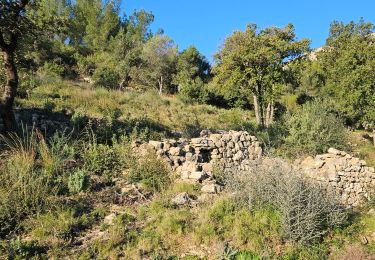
{"x":9,"y":120}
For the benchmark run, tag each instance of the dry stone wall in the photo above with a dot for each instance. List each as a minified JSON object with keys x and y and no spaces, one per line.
{"x":196,"y":159}
{"x":349,"y":176}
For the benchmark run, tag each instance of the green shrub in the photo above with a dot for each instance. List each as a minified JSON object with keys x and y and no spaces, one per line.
{"x":106,"y":77}
{"x":78,"y":120}
{"x":193,"y":92}
{"x":78,"y":181}
{"x":314,"y":128}
{"x":102,"y":160}
{"x":151,"y":172}
{"x":50,"y":73}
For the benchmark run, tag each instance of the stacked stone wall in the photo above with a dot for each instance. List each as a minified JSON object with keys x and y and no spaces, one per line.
{"x":349,"y":176}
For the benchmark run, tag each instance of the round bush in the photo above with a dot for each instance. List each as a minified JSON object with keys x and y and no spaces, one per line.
{"x":314,"y":128}
{"x":106,"y":77}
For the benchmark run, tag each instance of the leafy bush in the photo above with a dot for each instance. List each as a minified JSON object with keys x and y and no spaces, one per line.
{"x":50,"y":73}
{"x":106,"y":77}
{"x":78,"y":181}
{"x":78,"y":120}
{"x":151,"y":172}
{"x":314,"y":128}
{"x":193,"y":92}
{"x":308,"y":211}
{"x":101,"y":159}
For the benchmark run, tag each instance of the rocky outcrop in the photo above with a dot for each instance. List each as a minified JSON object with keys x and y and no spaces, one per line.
{"x":349,"y":176}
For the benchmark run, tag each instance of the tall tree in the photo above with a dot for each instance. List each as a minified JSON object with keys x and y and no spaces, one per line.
{"x":128,"y":44}
{"x":12,"y":27}
{"x":159,"y":56}
{"x":253,"y":61}
{"x":191,"y":65}
{"x":348,"y":63}
{"x":94,"y":22}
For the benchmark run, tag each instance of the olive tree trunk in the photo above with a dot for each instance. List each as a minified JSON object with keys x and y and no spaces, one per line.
{"x":11,"y":84}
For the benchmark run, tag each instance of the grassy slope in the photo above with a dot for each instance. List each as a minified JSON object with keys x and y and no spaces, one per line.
{"x":155,"y":226}
{"x":170,"y":112}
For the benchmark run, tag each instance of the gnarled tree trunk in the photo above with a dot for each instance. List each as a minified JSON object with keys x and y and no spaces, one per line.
{"x":11,"y":84}
{"x":8,"y":49}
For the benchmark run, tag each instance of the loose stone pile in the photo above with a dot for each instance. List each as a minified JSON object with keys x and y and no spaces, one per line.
{"x":195,"y":159}
{"x":347,"y":175}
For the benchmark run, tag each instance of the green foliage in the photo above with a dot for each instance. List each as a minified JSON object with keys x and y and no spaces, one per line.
{"x":158,"y":59}
{"x":314,"y":128}
{"x":102,"y":160}
{"x":49,"y":73}
{"x":57,"y":228}
{"x":229,"y":253}
{"x":252,"y":63}
{"x":24,"y":188}
{"x":78,"y":120}
{"x":78,"y":181}
{"x":226,"y":219}
{"x":192,"y":72}
{"x":149,"y":171}
{"x":192,"y":91}
{"x":106,"y":77}
{"x":18,"y":248}
{"x":348,"y":61}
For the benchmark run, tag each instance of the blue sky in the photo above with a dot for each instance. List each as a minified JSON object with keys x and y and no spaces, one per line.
{"x":206,"y":24}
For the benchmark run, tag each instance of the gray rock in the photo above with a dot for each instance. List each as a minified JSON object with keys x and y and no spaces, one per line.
{"x":211,"y":188}
{"x":181,"y":199}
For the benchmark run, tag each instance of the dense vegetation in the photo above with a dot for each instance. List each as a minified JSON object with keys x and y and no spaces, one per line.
{"x":102,"y":80}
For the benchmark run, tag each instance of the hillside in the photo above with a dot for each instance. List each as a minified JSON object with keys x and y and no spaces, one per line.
{"x":117,"y":144}
{"x":111,"y":202}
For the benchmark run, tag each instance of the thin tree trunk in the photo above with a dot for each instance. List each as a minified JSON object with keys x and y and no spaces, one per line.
{"x":10,"y":90}
{"x":256,"y":109}
{"x":373,"y":136}
{"x":161,"y":85}
{"x":261,"y":107}
{"x":268,"y":114}
{"x":272,"y":113}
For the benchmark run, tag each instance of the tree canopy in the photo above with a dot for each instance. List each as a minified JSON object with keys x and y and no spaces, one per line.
{"x":253,"y":62}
